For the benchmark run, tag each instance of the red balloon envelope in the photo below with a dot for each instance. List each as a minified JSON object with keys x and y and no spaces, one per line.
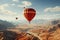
{"x":29,"y":13}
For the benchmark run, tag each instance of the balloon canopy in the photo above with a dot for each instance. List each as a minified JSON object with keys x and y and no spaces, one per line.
{"x":29,"y":13}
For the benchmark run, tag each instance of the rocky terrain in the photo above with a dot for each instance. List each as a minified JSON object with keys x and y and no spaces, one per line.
{"x":34,"y":34}
{"x":9,"y":35}
{"x":50,"y":34}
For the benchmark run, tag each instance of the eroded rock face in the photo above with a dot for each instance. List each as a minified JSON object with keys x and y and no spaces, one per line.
{"x":26,"y":36}
{"x":43,"y":34}
{"x":54,"y":34}
{"x":9,"y":35}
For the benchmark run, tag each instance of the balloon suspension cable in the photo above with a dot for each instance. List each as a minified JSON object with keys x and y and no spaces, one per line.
{"x":29,"y":22}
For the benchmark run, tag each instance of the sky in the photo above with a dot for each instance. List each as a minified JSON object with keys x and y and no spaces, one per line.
{"x":45,"y":9}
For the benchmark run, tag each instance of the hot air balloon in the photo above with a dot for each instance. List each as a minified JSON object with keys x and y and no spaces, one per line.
{"x":29,"y":14}
{"x":16,"y":18}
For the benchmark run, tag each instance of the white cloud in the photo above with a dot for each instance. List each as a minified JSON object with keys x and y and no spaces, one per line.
{"x":7,"y":18}
{"x":21,"y":5}
{"x":6,"y":14}
{"x":4,"y":10}
{"x":9,"y":15}
{"x":48,"y":16}
{"x":52,"y":9}
{"x":25,"y":4}
{"x":15,"y":0}
{"x":13,"y":4}
{"x":2,"y":7}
